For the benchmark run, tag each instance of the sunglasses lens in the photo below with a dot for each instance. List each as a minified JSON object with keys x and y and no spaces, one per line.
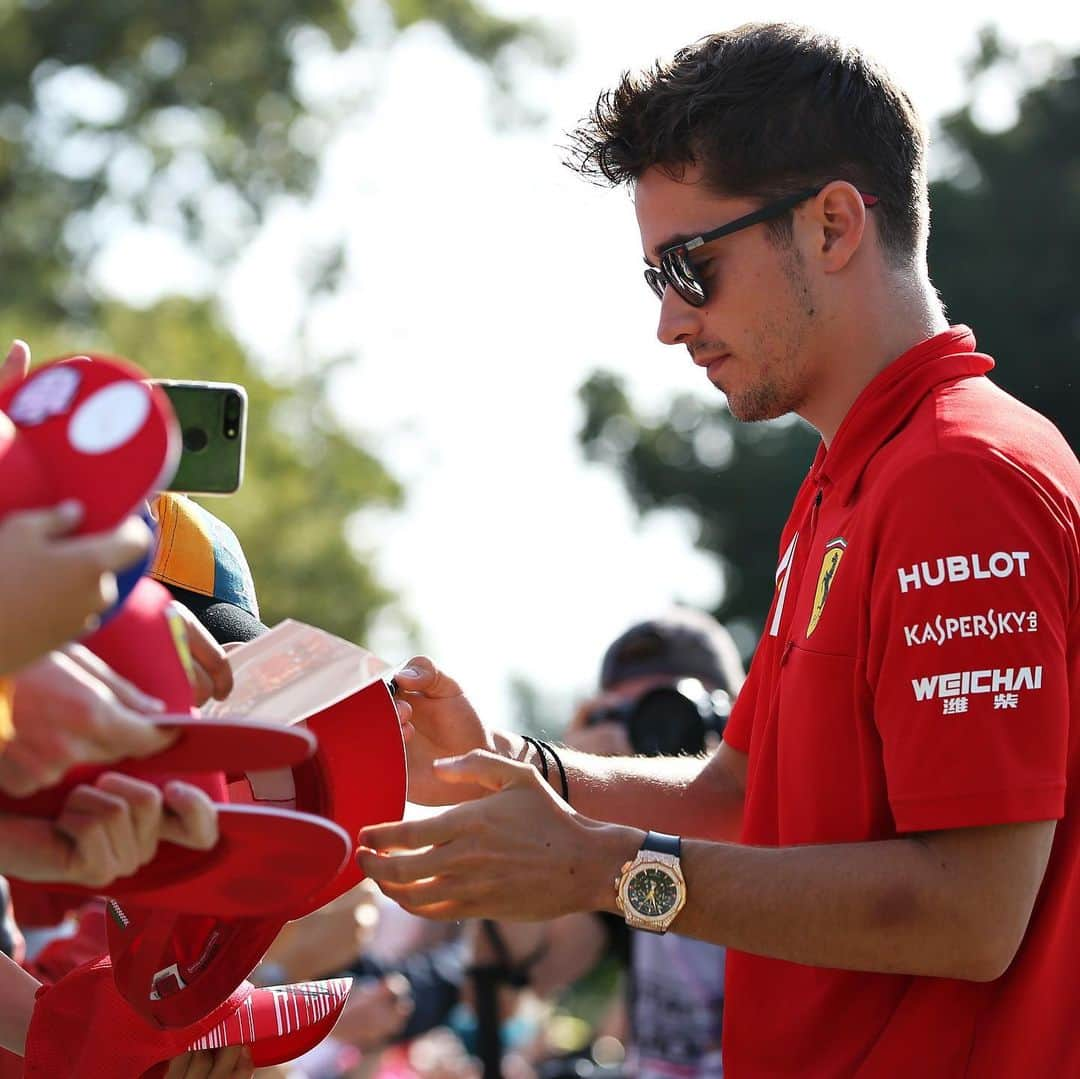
{"x":655,"y":281}
{"x":679,"y":271}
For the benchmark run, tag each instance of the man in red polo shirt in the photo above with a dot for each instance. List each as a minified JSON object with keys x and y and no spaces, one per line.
{"x":887,"y":841}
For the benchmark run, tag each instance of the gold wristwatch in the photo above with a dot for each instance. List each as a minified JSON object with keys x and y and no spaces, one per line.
{"x":651,"y":890}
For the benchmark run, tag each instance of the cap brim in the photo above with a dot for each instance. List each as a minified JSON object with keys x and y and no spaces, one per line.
{"x":227,"y":623}
{"x":242,"y":876}
{"x":281,"y":1023}
{"x":231,"y":746}
{"x":357,"y":776}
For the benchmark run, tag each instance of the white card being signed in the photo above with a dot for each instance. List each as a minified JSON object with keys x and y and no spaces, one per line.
{"x":294,"y":671}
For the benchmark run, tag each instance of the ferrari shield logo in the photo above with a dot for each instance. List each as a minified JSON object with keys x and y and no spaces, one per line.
{"x":834,"y":551}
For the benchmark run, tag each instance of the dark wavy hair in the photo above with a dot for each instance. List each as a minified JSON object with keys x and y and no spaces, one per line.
{"x":765,"y":110}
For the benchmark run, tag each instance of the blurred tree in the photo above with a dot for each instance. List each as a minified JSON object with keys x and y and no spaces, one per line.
{"x":1005,"y":254}
{"x":197,"y":118}
{"x":736,"y":481}
{"x":191,"y":117}
{"x":1005,"y":242}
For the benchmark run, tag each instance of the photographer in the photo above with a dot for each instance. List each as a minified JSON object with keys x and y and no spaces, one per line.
{"x":666,"y":688}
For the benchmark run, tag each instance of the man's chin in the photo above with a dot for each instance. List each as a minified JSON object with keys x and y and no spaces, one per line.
{"x":756,"y":408}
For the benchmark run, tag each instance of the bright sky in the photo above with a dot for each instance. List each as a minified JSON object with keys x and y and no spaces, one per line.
{"x":486,"y":282}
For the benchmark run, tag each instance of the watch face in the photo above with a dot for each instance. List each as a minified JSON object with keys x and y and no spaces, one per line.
{"x":652,"y":892}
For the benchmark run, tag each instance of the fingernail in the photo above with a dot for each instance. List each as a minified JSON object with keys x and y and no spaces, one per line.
{"x":70,"y":508}
{"x":409,"y":672}
{"x":151,"y":704}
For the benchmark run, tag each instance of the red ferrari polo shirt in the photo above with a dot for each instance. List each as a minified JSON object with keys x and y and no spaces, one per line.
{"x":919,"y":670}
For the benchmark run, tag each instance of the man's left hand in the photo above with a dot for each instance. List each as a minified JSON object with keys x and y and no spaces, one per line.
{"x":520,"y":853}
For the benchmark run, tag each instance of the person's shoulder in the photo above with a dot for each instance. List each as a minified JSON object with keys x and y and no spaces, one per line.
{"x":973,"y":430}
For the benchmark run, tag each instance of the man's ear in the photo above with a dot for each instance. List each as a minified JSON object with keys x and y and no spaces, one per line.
{"x":839,"y":217}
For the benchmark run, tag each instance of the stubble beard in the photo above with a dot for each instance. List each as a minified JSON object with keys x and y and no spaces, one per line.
{"x":778,"y":388}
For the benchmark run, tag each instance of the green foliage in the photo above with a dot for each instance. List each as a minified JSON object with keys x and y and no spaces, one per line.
{"x":1005,"y":254}
{"x":1005,"y":244}
{"x":188,"y":115}
{"x":475,"y":30}
{"x":194,"y":117}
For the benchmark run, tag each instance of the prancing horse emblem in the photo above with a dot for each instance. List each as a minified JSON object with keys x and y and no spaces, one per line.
{"x":834,"y":551}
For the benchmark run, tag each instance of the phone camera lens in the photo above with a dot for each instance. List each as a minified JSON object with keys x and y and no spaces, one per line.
{"x":233,"y":411}
{"x":195,"y":439}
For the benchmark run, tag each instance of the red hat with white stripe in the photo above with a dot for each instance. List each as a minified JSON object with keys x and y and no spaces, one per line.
{"x":282,"y":1022}
{"x":82,"y":1026}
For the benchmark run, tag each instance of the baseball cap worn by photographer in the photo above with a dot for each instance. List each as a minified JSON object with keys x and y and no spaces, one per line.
{"x":200,"y":560}
{"x":681,"y":643}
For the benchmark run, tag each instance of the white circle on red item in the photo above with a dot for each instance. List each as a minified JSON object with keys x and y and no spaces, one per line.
{"x":109,"y":418}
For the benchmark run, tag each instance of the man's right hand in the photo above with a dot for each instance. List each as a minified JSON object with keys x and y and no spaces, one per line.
{"x":438,"y":721}
{"x":53,"y":585}
{"x":105,"y":831}
{"x":71,"y":708}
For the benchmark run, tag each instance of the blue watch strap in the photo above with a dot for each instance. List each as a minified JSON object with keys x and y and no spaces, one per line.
{"x":663,"y":844}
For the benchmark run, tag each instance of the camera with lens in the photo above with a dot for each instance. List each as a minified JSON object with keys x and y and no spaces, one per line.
{"x":670,"y":721}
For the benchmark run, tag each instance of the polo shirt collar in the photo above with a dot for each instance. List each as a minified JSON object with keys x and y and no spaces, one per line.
{"x":889,"y":399}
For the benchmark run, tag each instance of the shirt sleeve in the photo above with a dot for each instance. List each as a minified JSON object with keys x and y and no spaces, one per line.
{"x":972,"y":592}
{"x":741,"y":721}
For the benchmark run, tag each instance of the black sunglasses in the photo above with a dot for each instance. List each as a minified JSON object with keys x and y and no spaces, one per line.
{"x":678,"y":271}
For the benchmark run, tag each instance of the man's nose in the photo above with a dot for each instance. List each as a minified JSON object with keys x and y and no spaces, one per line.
{"x":679,"y":322}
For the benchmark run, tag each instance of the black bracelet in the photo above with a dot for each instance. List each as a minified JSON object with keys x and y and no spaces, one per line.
{"x":562,"y":771}
{"x":539,"y":746}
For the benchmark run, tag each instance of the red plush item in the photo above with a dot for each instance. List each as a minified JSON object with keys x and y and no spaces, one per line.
{"x":357,"y":776}
{"x":90,"y":428}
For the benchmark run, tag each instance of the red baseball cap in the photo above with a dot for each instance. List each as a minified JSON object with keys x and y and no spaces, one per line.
{"x":282,"y":1022}
{"x":356,"y":777}
{"x":81,"y":1026}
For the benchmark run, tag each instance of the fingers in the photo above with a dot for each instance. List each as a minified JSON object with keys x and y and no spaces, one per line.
{"x":231,"y":1063}
{"x":114,"y":826}
{"x":49,"y":523}
{"x":485,"y":769}
{"x":120,"y":734}
{"x":412,"y":834}
{"x":126,"y":692}
{"x":66,"y":714}
{"x":25,"y":769}
{"x":99,"y":827}
{"x":16,"y":364}
{"x":211,"y":661}
{"x":421,"y":675}
{"x":145,"y":804}
{"x":191,"y":817}
{"x":107,"y":552}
